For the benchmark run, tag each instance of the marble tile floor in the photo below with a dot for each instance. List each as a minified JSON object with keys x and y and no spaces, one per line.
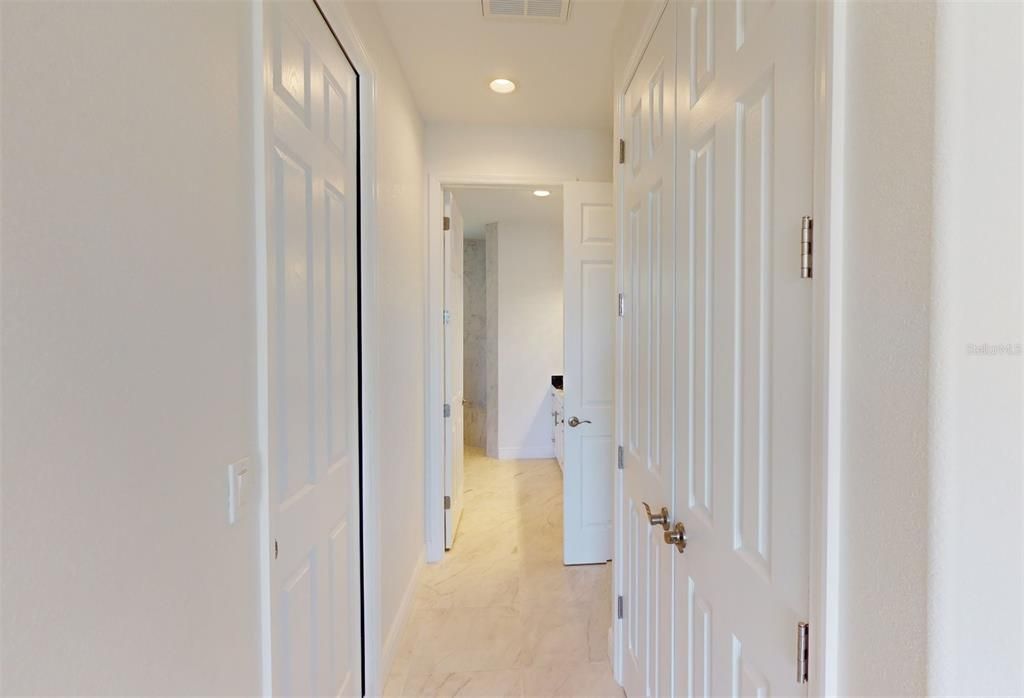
{"x":501,"y":615}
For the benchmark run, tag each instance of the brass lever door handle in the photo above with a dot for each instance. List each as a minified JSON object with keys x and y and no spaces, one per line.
{"x":659,"y":519}
{"x":677,"y":536}
{"x":576,"y":421}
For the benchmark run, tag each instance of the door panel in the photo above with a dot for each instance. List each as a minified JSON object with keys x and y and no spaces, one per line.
{"x":312,"y":357}
{"x":648,"y":251}
{"x":745,"y":134}
{"x":453,"y":370}
{"x":590,"y":456}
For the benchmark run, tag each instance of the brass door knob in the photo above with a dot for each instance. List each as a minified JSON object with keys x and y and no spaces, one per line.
{"x":677,"y":536}
{"x":660,"y":519}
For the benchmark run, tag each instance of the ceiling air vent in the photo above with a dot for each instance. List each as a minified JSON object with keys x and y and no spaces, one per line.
{"x":542,"y":10}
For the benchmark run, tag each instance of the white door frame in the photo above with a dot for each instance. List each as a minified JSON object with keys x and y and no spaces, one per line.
{"x":434,"y":480}
{"x":829,"y":81}
{"x":338,"y":20}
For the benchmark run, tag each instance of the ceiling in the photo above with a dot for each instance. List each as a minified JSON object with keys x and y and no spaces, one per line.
{"x":450,"y":53}
{"x":482,"y":205}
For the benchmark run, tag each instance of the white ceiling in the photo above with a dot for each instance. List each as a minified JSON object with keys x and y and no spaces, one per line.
{"x":480,"y":206}
{"x":450,"y":53}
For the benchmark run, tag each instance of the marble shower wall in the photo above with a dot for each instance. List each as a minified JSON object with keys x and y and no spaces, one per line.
{"x":474,"y":287}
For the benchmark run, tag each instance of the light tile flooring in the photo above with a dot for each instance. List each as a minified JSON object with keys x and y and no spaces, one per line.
{"x":501,"y":615}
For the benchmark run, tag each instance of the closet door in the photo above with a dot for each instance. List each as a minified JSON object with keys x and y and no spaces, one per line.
{"x":647,"y":254}
{"x":746,"y":136}
{"x":312,"y":381}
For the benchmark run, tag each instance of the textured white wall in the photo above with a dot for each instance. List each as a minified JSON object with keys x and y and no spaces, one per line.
{"x":128,"y":360}
{"x":544,"y":154}
{"x":886,"y":344}
{"x":530,"y":346}
{"x":976,"y":557}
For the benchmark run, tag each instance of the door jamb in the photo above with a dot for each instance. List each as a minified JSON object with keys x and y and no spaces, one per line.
{"x":829,"y":156}
{"x":434,"y":394}
{"x":337,"y":18}
{"x":827,"y":322}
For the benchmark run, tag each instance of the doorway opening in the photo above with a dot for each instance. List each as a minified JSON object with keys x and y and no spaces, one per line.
{"x":523,"y":357}
{"x":507,"y":609}
{"x":503,"y":326}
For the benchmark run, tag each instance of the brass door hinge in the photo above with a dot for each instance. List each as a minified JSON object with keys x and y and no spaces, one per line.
{"x":447,"y":223}
{"x":622,"y":152}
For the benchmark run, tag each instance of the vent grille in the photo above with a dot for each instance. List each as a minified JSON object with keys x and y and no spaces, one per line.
{"x":533,"y":10}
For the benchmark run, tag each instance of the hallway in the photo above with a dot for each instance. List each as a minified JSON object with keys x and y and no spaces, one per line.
{"x":501,"y":615}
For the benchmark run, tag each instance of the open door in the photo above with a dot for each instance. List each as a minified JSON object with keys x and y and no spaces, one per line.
{"x":453,"y":386}
{"x":590,"y":303}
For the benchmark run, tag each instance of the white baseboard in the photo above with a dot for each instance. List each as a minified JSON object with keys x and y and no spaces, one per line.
{"x":393,"y":639}
{"x":525,"y":452}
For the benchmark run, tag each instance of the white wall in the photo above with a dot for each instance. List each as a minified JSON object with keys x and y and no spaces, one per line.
{"x":491,"y":271}
{"x":128,"y":359}
{"x":128,"y":362}
{"x":933,"y":535}
{"x":976,"y":557}
{"x":401,"y":285}
{"x":530,"y":343}
{"x":542,"y":154}
{"x":887,"y":272}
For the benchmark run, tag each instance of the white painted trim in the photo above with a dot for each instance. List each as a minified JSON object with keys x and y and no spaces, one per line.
{"x":396,"y":632}
{"x":340,"y":22}
{"x":829,"y":161}
{"x":434,"y":478}
{"x":260,"y":178}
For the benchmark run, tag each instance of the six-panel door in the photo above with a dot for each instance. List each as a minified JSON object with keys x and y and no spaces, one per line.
{"x":312,"y":362}
{"x":648,"y":257}
{"x":716,"y":182}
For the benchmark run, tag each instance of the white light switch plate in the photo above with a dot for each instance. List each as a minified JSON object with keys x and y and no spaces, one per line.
{"x":239,"y":483}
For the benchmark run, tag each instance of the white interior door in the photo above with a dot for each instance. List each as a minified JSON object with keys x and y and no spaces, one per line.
{"x":453,"y":371}
{"x":590,"y":302}
{"x":312,"y":357}
{"x":746,"y":145}
{"x":648,"y":256}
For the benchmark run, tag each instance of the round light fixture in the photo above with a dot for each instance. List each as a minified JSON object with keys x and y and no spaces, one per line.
{"x":503,"y":86}
{"x":541,"y":193}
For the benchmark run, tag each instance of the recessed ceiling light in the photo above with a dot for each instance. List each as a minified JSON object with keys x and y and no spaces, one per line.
{"x":503,"y":86}
{"x":541,"y":193}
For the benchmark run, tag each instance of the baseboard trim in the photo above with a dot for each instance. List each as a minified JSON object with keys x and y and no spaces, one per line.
{"x":525,"y":453}
{"x":393,"y":640}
